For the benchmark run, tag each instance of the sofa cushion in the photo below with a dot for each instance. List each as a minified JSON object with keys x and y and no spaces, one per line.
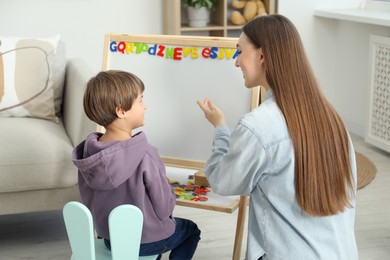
{"x":32,"y":75}
{"x":35,"y":154}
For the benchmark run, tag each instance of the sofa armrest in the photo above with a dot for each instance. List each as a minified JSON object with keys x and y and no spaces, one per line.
{"x":76,"y":123}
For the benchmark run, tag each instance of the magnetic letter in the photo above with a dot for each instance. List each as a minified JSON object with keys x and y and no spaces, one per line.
{"x":122,"y":47}
{"x":229,"y":53}
{"x":177,"y":53}
{"x":144,"y":47}
{"x":113,"y":47}
{"x":206,"y":53}
{"x":186,"y":51}
{"x":235,"y":54}
{"x":169,"y":53}
{"x":152,"y":50}
{"x":161,"y":49}
{"x":129,"y":47}
{"x":195,"y":53}
{"x":214,"y":51}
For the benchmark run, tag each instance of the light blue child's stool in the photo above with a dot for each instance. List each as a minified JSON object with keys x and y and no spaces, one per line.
{"x":125,"y":224}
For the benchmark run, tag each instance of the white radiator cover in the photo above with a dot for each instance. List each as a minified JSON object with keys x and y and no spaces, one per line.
{"x":378,"y":129}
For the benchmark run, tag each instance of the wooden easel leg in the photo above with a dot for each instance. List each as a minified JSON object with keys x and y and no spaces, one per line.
{"x":240,"y":227}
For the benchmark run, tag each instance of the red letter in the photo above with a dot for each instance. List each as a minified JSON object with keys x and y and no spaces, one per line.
{"x":122,"y":47}
{"x":206,"y":53}
{"x":177,"y":53}
{"x":161,"y":50}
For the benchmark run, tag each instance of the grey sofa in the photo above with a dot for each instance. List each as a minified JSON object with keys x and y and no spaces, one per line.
{"x":36,"y":171}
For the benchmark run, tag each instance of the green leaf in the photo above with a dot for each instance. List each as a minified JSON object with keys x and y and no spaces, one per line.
{"x":199,"y":3}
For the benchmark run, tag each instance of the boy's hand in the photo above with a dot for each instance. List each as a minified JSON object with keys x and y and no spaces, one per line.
{"x":213,"y":114}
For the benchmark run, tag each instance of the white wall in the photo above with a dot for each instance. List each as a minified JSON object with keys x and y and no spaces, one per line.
{"x":339,"y":53}
{"x":81,"y":23}
{"x":338,"y":50}
{"x":317,"y":36}
{"x":352,"y":77}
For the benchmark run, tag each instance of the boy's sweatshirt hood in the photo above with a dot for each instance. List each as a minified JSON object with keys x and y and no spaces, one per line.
{"x":105,"y":166}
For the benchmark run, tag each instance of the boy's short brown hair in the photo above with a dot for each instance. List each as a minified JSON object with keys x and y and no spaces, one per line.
{"x":109,"y":90}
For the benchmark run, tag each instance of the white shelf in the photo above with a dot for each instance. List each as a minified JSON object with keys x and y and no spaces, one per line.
{"x":356,"y":15}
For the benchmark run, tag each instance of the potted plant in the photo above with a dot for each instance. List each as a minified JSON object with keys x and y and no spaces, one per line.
{"x":199,"y":11}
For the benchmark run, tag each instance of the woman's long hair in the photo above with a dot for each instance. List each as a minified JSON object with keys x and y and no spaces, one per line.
{"x":323,"y":176}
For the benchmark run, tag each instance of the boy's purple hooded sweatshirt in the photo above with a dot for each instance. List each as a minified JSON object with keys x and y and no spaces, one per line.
{"x":125,"y":172}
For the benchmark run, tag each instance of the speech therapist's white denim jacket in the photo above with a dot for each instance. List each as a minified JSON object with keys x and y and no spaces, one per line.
{"x":257,"y":159}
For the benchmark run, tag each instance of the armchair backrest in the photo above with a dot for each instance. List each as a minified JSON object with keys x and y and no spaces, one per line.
{"x":76,"y":123}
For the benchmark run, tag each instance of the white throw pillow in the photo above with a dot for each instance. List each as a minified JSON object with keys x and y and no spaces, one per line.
{"x":32,"y":72}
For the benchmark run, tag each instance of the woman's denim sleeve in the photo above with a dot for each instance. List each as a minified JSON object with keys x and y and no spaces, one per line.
{"x":237,"y":161}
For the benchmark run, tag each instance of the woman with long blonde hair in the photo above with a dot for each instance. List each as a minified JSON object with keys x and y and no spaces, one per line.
{"x":292,"y":155}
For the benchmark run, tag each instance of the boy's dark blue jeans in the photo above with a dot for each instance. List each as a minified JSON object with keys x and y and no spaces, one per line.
{"x":182,"y":243}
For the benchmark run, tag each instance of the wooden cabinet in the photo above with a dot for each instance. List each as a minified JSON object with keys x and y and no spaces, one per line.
{"x":176,"y":22}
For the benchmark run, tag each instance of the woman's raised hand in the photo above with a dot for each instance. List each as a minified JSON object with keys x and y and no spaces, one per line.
{"x":213,"y":114}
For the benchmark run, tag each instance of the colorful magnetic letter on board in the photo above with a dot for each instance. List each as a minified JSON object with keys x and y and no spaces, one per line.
{"x":206,"y":53}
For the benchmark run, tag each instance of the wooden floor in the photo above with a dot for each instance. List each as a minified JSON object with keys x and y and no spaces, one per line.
{"x":43,"y":236}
